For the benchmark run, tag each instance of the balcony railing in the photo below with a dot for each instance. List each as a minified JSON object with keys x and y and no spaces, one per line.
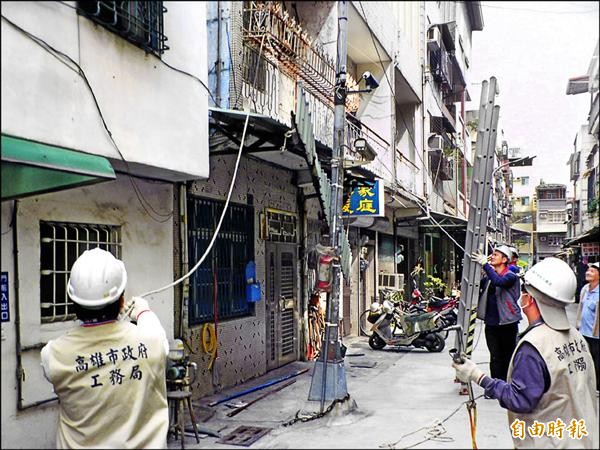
{"x":441,"y":68}
{"x":269,"y":29}
{"x":593,"y":117}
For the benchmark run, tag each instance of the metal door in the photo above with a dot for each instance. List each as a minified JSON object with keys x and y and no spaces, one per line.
{"x":281,"y":304}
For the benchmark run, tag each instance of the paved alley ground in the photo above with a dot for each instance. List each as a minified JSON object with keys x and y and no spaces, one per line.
{"x":393,"y":405}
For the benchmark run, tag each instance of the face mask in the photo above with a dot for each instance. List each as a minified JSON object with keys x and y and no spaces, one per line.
{"x":525,"y":304}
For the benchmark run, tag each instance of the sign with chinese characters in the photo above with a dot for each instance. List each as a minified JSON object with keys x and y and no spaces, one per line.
{"x":4,"y":288}
{"x":590,"y":249}
{"x":366,"y":200}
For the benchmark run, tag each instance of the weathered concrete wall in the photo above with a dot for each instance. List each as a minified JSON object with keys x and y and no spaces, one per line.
{"x":146,"y":249}
{"x":241,"y":341}
{"x":153,"y":111}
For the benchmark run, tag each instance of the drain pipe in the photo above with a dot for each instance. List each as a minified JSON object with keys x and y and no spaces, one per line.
{"x":19,"y":369}
{"x":20,"y":373}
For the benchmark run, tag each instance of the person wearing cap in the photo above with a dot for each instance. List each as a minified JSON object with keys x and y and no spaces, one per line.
{"x":550,"y":378}
{"x":587,"y":314}
{"x":512,"y":265}
{"x":499,"y":308}
{"x":108,"y":374}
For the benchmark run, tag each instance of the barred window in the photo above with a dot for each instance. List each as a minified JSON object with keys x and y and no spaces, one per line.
{"x":225,"y":265}
{"x":254,"y":69}
{"x":61,"y":244}
{"x":141,"y":23}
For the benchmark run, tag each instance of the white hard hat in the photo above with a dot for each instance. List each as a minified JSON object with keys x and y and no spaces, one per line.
{"x":388,"y":307}
{"x":505,"y":250}
{"x":514,"y":251}
{"x":97,"y":279}
{"x":552,"y":283}
{"x":375,"y":307}
{"x":595,"y":265}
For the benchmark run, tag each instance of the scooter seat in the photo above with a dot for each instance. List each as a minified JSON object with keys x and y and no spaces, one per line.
{"x":437,"y":302}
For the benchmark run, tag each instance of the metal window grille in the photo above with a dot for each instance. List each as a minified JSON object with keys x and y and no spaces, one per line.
{"x":254,"y":66}
{"x":60,"y":245}
{"x":281,"y":226}
{"x":140,"y":22}
{"x":226,"y":263}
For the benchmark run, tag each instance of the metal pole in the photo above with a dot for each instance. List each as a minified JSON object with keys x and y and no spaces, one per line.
{"x":333,"y":376}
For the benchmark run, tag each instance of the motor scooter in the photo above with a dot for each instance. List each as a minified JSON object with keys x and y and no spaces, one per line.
{"x":391,"y":326}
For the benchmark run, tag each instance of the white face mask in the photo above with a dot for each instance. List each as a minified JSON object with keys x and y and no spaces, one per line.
{"x":525,"y":303}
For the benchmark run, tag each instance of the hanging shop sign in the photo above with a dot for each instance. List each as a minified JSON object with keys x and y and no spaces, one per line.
{"x":366,"y":200}
{"x":590,"y":249}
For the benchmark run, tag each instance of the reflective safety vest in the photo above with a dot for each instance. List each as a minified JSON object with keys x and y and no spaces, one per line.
{"x":569,"y":403}
{"x":110,"y":382}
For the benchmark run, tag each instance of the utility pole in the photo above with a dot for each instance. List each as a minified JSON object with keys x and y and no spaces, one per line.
{"x":329,"y":377}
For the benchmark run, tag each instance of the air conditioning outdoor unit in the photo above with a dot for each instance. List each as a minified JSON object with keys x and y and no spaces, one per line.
{"x":391,"y":280}
{"x":435,"y":142}
{"x":433,"y":39}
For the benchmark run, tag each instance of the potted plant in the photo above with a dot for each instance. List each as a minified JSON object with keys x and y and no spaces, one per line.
{"x":435,"y":286}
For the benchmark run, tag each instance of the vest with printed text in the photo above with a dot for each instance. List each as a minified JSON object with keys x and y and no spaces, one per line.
{"x":110,"y":381}
{"x":571,"y":395}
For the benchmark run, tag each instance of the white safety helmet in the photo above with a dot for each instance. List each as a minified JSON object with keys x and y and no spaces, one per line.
{"x":552,"y":283}
{"x":595,"y":265}
{"x":505,"y":250}
{"x":388,"y":307}
{"x":375,"y":307}
{"x":97,"y":279}
{"x":515,"y":252}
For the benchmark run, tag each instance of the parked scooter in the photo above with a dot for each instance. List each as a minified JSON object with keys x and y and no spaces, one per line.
{"x":447,"y":307}
{"x":391,"y":326}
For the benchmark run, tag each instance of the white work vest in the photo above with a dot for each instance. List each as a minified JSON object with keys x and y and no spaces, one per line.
{"x":110,"y":381}
{"x":572,"y":391}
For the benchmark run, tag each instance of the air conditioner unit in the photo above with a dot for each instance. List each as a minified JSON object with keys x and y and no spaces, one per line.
{"x":433,"y":39}
{"x":435,"y":142}
{"x":391,"y":280}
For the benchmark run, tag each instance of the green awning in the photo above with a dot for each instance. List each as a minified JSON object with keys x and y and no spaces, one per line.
{"x":32,"y":168}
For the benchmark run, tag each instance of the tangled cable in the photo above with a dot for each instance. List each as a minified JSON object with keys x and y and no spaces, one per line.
{"x":210,"y":345}
{"x":435,"y":430}
{"x":315,"y":415}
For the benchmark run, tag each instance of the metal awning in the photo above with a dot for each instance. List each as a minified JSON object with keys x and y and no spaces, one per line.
{"x":33,"y":168}
{"x":578,"y":85}
{"x":445,"y":220}
{"x":265,"y":137}
{"x":592,"y":235}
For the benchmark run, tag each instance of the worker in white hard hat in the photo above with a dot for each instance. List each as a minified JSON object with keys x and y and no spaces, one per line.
{"x":499,"y":308}
{"x":551,"y":380}
{"x":587,"y":315}
{"x":108,"y":374}
{"x":512,"y":265}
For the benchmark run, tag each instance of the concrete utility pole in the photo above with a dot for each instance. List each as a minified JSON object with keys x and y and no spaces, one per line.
{"x":329,"y":379}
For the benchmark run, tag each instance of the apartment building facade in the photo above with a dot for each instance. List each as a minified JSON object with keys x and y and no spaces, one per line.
{"x":92,"y":118}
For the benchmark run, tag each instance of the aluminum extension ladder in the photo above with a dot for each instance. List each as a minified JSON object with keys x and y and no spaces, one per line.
{"x":481,"y":187}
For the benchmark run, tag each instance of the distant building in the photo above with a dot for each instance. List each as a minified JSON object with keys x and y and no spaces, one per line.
{"x":551,"y":227}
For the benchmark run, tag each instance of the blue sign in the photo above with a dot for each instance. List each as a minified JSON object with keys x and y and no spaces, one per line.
{"x":365,"y":200}
{"x":4,"y":290}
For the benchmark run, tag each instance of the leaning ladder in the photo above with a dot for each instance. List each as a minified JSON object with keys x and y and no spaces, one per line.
{"x":481,"y":186}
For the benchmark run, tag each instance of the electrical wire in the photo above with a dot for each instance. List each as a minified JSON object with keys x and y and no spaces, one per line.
{"x":534,"y":10}
{"x":392,"y":90}
{"x":165,"y":63}
{"x":432,"y":432}
{"x":12,"y":218}
{"x":58,"y":54}
{"x":218,"y":228}
{"x":233,"y":178}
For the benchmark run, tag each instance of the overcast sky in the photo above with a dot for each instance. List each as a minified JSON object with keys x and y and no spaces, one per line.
{"x":533,"y":48}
